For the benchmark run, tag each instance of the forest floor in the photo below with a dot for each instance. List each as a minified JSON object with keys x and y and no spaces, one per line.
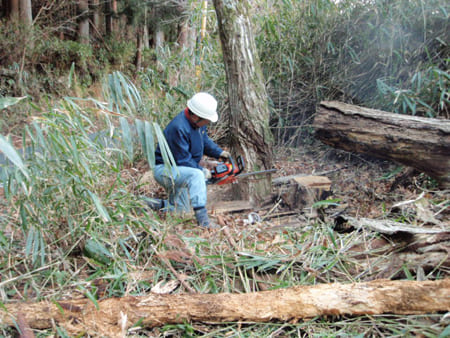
{"x":289,"y":245}
{"x":362,"y":187}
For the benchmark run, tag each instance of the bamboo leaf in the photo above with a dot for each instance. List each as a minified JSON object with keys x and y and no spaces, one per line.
{"x":127,"y":138}
{"x":12,"y":155}
{"x":165,"y":149}
{"x":100,"y":208}
{"x":89,"y":295}
{"x":9,"y":101}
{"x":149,"y":144}
{"x":333,"y":202}
{"x":71,"y":74}
{"x":141,"y":134}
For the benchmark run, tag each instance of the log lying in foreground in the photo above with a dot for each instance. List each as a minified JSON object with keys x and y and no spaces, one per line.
{"x":418,"y":142}
{"x":115,"y":315}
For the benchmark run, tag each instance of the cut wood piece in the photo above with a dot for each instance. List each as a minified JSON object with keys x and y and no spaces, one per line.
{"x":318,"y":182}
{"x":304,"y":191}
{"x":422,"y":143}
{"x":220,"y":207}
{"x":111,"y":316}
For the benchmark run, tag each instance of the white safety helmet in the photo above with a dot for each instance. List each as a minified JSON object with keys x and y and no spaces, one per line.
{"x":204,"y":106}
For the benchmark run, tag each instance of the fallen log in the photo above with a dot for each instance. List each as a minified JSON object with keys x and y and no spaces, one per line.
{"x":111,"y":317}
{"x":388,"y":227}
{"x":418,"y":142}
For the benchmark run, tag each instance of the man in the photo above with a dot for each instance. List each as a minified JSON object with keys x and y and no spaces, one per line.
{"x":187,"y":138}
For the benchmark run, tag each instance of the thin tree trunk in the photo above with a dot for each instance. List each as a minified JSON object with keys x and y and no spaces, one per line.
{"x":114,"y":11}
{"x":96,"y":14}
{"x":113,"y":316}
{"x":15,"y":11}
{"x":146,"y":37}
{"x":108,"y":18}
{"x":183,"y":34}
{"x":158,"y":39}
{"x":83,"y":24}
{"x":6,"y":5}
{"x":26,"y":15}
{"x":249,"y":110}
{"x":139,"y":48}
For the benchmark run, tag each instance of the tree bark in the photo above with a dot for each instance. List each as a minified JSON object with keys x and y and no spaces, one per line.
{"x":96,"y":14}
{"x":158,"y":39}
{"x":422,"y":143}
{"x":6,"y":9}
{"x":83,"y":24}
{"x":114,"y":315}
{"x":26,"y":15}
{"x":249,"y":110}
{"x":139,"y":49}
{"x":109,"y":18}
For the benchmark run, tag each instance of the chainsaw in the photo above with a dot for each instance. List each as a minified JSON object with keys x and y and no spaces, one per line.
{"x":229,"y":172}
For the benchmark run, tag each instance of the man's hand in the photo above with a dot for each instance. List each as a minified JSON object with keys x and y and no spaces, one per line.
{"x":225,"y":155}
{"x":207,"y":173}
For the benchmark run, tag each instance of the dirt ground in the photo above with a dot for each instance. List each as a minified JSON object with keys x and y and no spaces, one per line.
{"x":361,"y":186}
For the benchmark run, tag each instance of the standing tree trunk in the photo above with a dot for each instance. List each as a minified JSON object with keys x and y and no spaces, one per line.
{"x":249,"y":110}
{"x":183,"y":27}
{"x":158,"y":43}
{"x":96,"y":14}
{"x":139,"y":48}
{"x":6,"y":7}
{"x":183,"y":34}
{"x":26,"y":15}
{"x":83,"y":25}
{"x":109,"y":18}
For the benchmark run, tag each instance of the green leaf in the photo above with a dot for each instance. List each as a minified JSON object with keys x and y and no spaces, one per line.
{"x":9,"y":101}
{"x":89,"y":295}
{"x":167,"y":156}
{"x":334,"y":202}
{"x":127,"y":138}
{"x":100,"y":208}
{"x":97,"y":251}
{"x":12,"y":155}
{"x":445,"y":333}
{"x":149,"y":144}
{"x":71,"y":74}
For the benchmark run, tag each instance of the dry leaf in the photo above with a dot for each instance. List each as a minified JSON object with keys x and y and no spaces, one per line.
{"x":164,"y":288}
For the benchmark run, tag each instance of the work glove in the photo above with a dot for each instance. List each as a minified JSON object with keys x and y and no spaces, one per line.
{"x":225,"y":154}
{"x":207,"y":173}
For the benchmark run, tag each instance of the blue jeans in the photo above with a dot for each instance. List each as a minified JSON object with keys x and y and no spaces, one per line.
{"x":185,"y":186}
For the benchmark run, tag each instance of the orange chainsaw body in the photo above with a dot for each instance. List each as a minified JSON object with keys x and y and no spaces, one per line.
{"x":226,"y":172}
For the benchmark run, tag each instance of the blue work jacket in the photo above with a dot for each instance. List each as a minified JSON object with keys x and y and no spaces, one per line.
{"x":187,"y":143}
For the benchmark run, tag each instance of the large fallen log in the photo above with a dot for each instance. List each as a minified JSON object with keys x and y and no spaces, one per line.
{"x":111,"y":317}
{"x":418,"y":142}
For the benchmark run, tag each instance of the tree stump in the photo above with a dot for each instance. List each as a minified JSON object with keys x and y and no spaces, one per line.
{"x":303,"y":191}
